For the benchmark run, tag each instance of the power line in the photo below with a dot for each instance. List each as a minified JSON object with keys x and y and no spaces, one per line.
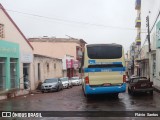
{"x":71,"y":21}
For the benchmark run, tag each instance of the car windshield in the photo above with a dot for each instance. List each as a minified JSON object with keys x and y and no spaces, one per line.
{"x":51,"y":80}
{"x":74,"y":78}
{"x":63,"y":79}
{"x":138,"y":79}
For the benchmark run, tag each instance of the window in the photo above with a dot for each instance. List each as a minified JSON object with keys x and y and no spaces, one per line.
{"x":104,"y":51}
{"x":47,"y":67}
{"x":2,"y":74}
{"x":39,"y":73}
{"x":1,"y":31}
{"x":54,"y":65}
{"x":106,"y":66}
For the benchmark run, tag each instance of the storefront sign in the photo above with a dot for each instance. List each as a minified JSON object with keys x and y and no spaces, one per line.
{"x":26,"y":57}
{"x":75,"y":64}
{"x":69,"y":63}
{"x":9,"y":49}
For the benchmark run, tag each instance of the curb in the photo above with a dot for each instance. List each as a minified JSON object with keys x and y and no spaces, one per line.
{"x":35,"y":92}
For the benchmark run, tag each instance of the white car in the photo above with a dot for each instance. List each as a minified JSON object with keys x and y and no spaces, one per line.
{"x":76,"y":81}
{"x":66,"y":82}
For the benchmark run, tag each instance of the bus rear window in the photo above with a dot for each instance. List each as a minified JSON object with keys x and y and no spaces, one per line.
{"x":104,"y":51}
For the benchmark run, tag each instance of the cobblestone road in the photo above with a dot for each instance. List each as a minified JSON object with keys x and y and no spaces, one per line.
{"x":73,"y":100}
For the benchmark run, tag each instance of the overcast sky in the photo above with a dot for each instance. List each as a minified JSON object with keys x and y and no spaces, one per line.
{"x":95,"y":21}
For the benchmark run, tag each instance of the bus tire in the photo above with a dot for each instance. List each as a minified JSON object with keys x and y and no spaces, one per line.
{"x":115,"y":95}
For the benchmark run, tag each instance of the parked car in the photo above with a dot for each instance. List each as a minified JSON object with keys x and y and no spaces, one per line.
{"x":140,"y":84}
{"x":52,"y":84}
{"x":76,"y":81}
{"x":66,"y":82}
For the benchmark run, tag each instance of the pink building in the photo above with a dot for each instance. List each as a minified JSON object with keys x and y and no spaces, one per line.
{"x":69,"y":50}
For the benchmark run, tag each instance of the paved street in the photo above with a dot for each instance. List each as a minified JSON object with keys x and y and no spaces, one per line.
{"x":73,"y":100}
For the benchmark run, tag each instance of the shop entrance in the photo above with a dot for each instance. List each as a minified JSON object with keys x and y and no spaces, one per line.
{"x":13,"y":73}
{"x":2,"y":74}
{"x":26,"y":75}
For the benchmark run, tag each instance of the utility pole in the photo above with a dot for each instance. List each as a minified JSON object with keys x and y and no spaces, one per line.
{"x":133,"y":65}
{"x":148,"y":36}
{"x":132,"y":54}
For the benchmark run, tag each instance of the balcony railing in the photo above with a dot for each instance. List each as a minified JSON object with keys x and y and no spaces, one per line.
{"x":138,"y":5}
{"x":138,"y":22}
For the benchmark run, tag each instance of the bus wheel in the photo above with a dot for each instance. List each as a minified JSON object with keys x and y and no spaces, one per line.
{"x":115,"y":95}
{"x":87,"y":96}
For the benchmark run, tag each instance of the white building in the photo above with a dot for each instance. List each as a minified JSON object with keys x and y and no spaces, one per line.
{"x":46,"y":67}
{"x":151,"y":8}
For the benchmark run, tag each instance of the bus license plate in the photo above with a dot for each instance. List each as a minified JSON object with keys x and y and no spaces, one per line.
{"x":106,"y":84}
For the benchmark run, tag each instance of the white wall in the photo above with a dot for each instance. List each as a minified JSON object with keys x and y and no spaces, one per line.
{"x":154,"y":7}
{"x":45,"y":72}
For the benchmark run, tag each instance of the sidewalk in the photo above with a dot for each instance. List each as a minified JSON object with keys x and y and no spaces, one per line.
{"x":35,"y":92}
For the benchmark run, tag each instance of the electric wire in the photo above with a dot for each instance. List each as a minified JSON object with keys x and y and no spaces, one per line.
{"x":149,"y":32}
{"x":71,"y":21}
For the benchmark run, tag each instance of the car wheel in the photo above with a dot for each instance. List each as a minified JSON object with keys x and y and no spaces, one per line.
{"x":57,"y":89}
{"x":151,"y":92}
{"x":42,"y":91}
{"x":129,"y":91}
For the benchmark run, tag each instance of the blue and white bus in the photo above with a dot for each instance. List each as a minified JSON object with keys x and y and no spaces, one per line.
{"x":103,"y":69}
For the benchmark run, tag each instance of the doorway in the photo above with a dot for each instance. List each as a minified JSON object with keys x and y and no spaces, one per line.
{"x":26,"y":75}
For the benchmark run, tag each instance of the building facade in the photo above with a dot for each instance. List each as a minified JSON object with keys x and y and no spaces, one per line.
{"x":69,"y":50}
{"x":150,"y":9}
{"x":46,"y":67}
{"x":16,"y":58}
{"x":148,"y":27}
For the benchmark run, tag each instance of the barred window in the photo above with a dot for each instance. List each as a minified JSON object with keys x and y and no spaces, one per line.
{"x":1,"y":31}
